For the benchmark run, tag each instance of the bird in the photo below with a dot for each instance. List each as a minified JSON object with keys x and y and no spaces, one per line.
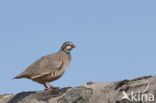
{"x":50,"y":67}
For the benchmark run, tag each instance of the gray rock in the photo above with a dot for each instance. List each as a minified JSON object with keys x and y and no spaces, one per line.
{"x":92,"y":93}
{"x":77,"y":95}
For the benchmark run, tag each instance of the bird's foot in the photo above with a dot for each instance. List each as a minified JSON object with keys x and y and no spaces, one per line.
{"x":48,"y":89}
{"x":50,"y":85}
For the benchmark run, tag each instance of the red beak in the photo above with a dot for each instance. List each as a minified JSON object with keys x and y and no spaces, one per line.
{"x":73,"y":46}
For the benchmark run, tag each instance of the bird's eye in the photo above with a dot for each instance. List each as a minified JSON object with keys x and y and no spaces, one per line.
{"x":68,"y":45}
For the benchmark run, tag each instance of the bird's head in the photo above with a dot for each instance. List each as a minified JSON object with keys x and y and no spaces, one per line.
{"x":67,"y":47}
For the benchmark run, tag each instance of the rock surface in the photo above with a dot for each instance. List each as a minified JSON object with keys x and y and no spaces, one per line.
{"x":139,"y":90}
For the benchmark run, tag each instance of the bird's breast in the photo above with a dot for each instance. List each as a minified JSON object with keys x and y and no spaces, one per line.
{"x":66,"y":61}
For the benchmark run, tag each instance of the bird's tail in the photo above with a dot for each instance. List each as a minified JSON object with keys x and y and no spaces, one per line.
{"x":21,"y":76}
{"x":18,"y":77}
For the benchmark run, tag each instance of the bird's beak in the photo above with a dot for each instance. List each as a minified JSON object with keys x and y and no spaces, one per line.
{"x":73,"y":46}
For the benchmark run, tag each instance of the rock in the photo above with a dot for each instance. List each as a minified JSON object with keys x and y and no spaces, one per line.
{"x":138,"y":90}
{"x":90,"y":82}
{"x":5,"y":98}
{"x":77,"y":95}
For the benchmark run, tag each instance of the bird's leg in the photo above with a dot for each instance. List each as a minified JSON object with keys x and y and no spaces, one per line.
{"x":45,"y":86}
{"x":50,"y":85}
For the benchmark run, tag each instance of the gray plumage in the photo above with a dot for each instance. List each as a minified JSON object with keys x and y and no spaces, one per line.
{"x":50,"y":67}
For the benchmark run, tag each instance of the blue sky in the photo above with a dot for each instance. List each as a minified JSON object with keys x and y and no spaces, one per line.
{"x":115,"y":39}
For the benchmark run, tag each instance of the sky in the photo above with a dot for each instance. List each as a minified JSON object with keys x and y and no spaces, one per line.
{"x":115,"y":39}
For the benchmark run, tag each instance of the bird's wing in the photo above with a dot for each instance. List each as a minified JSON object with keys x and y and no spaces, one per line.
{"x":45,"y":65}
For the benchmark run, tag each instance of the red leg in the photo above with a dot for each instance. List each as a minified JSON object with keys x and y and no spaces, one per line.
{"x":45,"y":86}
{"x":50,"y":85}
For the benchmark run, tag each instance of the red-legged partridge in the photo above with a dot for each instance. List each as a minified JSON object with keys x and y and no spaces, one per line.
{"x":50,"y":67}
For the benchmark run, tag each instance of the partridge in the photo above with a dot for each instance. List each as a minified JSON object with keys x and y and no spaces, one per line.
{"x":50,"y":67}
